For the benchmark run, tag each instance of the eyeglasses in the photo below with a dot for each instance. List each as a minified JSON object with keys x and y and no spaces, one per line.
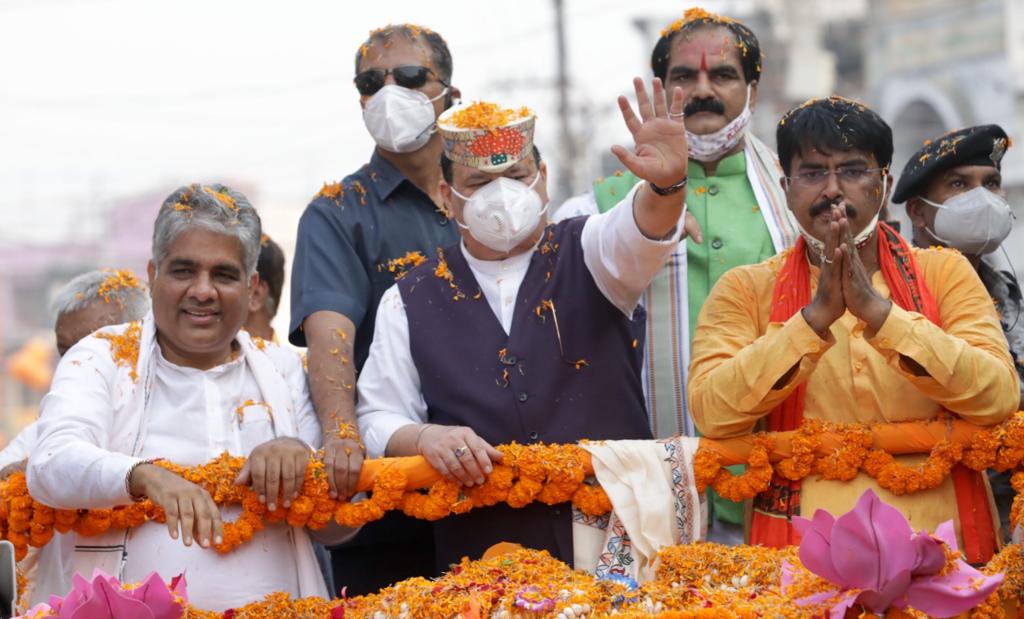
{"x":846,"y":176}
{"x":407,"y":76}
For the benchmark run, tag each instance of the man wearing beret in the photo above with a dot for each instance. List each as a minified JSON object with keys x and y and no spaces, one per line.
{"x":851,"y":326}
{"x":523,"y":331}
{"x":954,"y":193}
{"x":955,"y":198}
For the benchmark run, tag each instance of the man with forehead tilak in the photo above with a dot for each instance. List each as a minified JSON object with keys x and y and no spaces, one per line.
{"x":524,"y":331}
{"x":852,"y":326}
{"x":733,"y":193}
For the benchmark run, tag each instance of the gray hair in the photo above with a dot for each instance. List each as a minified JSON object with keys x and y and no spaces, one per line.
{"x":211,"y":207}
{"x":117,"y":287}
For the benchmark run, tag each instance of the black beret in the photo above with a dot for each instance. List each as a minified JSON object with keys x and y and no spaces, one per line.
{"x":981,"y":145}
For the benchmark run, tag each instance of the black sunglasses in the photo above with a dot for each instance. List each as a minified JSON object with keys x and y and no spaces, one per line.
{"x":407,"y":76}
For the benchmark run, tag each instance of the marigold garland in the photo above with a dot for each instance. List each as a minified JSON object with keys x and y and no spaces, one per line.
{"x":697,"y":580}
{"x":844,"y":463}
{"x":900,"y":479}
{"x":549,"y":473}
{"x":708,"y":471}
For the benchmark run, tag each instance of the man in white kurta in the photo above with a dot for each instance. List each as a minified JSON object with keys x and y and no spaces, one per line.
{"x":106,"y":413}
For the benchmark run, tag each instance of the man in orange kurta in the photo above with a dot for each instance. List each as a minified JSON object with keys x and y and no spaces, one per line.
{"x":853,"y":326}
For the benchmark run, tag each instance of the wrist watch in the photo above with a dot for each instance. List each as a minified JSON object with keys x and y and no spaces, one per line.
{"x":667,"y":191}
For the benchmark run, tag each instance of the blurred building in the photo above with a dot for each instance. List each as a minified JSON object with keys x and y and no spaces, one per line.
{"x":937,"y":65}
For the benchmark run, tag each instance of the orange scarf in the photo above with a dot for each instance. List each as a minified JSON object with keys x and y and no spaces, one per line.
{"x":775,"y":507}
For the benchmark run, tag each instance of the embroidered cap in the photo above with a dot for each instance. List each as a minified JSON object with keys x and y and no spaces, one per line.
{"x":487,"y":136}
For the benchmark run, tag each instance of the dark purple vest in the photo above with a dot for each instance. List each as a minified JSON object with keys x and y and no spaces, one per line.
{"x":580,"y":380}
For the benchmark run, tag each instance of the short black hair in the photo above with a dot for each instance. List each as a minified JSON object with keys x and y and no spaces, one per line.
{"x":270,"y":266}
{"x":833,"y":124}
{"x":446,"y":164}
{"x":412,"y":32}
{"x":696,"y":19}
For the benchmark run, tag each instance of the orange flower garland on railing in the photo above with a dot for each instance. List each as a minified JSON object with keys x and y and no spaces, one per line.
{"x":708,"y":471}
{"x":548,"y":473}
{"x":553,"y":474}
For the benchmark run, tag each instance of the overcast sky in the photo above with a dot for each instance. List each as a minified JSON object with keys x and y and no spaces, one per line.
{"x":104,"y":98}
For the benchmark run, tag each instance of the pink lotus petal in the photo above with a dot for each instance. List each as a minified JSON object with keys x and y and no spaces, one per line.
{"x":953,"y":593}
{"x":179,"y":586}
{"x":946,"y":532}
{"x":825,"y":596}
{"x":871,"y":544}
{"x":931,"y":555}
{"x":120,"y":602}
{"x":815,"y":547}
{"x":879,"y":601}
{"x":158,"y":598}
{"x":39,"y":610}
{"x":838,"y":611}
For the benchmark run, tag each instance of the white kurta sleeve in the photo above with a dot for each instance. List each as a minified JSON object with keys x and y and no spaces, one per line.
{"x":70,"y":466}
{"x":389,"y":384}
{"x":19,"y":448}
{"x":620,"y":258}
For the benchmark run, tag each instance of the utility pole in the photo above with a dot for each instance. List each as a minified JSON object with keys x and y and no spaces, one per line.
{"x":567,"y":143}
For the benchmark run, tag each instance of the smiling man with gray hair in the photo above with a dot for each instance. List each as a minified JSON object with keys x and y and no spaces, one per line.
{"x":184,"y":384}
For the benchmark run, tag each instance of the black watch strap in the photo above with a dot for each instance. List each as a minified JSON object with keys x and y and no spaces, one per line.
{"x":667,"y":191}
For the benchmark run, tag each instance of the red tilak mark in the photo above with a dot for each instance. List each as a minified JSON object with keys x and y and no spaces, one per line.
{"x":703,"y":61}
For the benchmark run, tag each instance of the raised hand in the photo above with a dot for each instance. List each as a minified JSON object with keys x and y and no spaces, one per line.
{"x":861,"y":298}
{"x":660,"y":154}
{"x":829,"y":304}
{"x":660,"y":157}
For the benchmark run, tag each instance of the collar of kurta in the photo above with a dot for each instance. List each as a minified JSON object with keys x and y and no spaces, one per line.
{"x":733,"y":165}
{"x":135,"y":384}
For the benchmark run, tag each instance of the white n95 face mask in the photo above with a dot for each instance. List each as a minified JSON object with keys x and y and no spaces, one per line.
{"x":400,"y":120}
{"x":975,"y":222}
{"x":503,"y":213}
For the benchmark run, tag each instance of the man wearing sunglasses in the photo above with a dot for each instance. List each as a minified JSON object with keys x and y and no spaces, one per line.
{"x":349,"y":238}
{"x":733,"y":193}
{"x":852,"y":325}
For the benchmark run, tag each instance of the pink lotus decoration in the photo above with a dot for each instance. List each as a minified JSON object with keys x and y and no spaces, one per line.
{"x":105,"y":598}
{"x":877,"y":561}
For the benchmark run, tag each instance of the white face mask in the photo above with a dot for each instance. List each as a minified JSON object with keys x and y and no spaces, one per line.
{"x":399,"y":119}
{"x":503,"y":213}
{"x":712,"y":146}
{"x":861,"y":237}
{"x":975,"y":222}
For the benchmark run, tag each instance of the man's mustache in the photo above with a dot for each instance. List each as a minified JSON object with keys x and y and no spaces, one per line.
{"x":826,"y":205}
{"x":696,"y":106}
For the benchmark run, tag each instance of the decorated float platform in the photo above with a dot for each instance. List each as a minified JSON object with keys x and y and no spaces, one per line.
{"x":867,"y":562}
